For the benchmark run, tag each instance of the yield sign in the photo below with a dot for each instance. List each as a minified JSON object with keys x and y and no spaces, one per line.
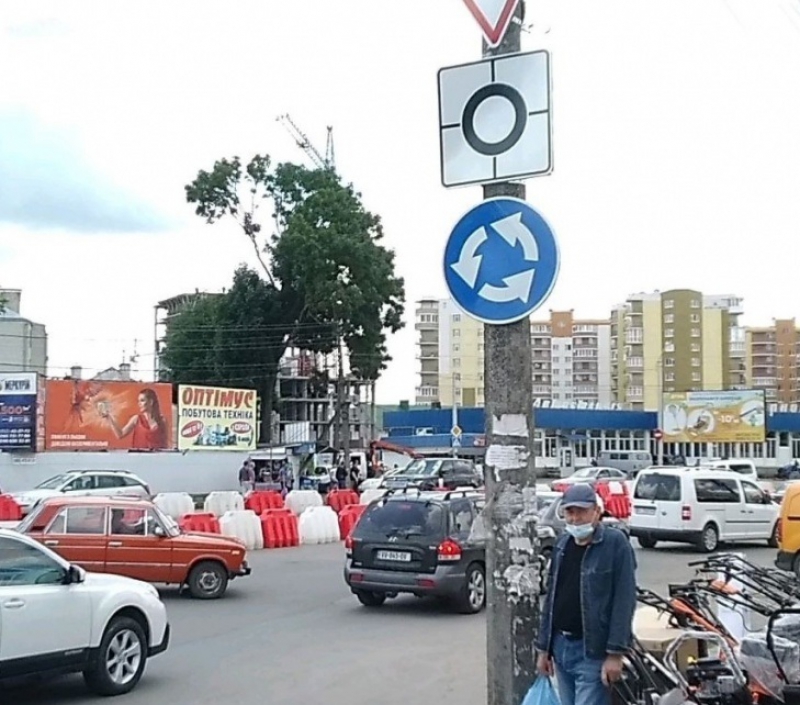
{"x":493,"y":16}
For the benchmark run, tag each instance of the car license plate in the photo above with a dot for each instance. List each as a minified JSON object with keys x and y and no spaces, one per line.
{"x":402,"y":556}
{"x":647,"y":511}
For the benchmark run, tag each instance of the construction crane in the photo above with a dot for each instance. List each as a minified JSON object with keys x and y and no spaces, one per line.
{"x":326,"y":162}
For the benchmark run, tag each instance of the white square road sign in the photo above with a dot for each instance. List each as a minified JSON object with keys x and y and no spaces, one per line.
{"x":495,"y":119}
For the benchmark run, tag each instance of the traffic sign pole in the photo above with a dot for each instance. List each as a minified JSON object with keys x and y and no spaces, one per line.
{"x":512,"y":554}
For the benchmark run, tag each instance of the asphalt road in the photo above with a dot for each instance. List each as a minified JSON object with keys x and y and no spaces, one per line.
{"x":291,"y":634}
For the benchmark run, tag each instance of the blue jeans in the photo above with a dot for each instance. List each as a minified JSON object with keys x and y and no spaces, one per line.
{"x":579,"y":678}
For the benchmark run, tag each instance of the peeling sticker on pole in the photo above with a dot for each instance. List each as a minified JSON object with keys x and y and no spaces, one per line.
{"x":510,"y":425}
{"x":506,"y":457}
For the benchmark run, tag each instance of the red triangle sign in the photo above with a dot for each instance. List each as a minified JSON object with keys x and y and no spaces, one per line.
{"x":493,"y":16}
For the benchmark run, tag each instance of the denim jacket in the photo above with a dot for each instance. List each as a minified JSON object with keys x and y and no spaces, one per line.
{"x":608,"y":594}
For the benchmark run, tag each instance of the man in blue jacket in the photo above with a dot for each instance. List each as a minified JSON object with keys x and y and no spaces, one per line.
{"x":587,"y":617}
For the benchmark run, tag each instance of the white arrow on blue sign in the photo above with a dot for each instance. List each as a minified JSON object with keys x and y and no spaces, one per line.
{"x":501,"y":261}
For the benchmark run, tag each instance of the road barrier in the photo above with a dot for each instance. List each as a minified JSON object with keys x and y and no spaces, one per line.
{"x":9,"y":509}
{"x":221,"y":502}
{"x":174,"y":504}
{"x":339,"y":499}
{"x":259,"y":502}
{"x":244,"y":525}
{"x":318,"y":525}
{"x":300,"y":500}
{"x":205,"y":523}
{"x":348,"y":518}
{"x":279,"y":528}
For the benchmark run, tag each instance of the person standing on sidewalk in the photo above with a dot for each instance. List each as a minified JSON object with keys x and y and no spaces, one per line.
{"x":247,"y":476}
{"x":587,"y":617}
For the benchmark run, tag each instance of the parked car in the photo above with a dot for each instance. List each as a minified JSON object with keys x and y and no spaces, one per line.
{"x":432,"y":473}
{"x":132,"y":537}
{"x":424,"y":544}
{"x":701,"y":506}
{"x":88,"y":483}
{"x":590,"y":476}
{"x":57,"y":618}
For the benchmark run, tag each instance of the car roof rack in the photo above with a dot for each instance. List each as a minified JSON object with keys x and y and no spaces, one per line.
{"x":462,"y":492}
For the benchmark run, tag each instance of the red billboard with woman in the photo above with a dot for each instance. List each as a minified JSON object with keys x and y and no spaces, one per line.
{"x":93,"y":415}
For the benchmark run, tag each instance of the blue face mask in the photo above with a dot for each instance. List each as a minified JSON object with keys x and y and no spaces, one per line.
{"x":580,"y":532}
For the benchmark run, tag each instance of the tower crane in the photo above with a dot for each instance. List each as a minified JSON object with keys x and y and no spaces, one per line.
{"x":300,"y":137}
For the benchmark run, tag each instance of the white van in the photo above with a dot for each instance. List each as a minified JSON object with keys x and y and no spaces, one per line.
{"x":629,"y":461}
{"x":745,"y":468}
{"x":701,"y":506}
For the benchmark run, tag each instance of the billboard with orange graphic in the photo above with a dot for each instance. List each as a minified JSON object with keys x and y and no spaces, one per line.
{"x":92,"y":415}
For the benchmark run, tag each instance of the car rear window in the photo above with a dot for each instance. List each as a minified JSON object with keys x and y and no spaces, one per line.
{"x":401,"y":519}
{"x":654,"y":486}
{"x":742,"y":468}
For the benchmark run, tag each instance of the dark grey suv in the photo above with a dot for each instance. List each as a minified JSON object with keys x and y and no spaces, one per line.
{"x":420,"y":543}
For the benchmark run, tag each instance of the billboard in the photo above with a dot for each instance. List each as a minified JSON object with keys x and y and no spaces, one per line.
{"x":736,"y":416}
{"x":216,"y":418}
{"x":94,"y":415}
{"x":18,"y":410}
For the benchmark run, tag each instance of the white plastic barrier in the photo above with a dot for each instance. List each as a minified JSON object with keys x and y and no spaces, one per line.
{"x":174,"y":504}
{"x":318,"y":525}
{"x":299,"y":500}
{"x":368,"y":496}
{"x":243,"y":524}
{"x":218,"y":503}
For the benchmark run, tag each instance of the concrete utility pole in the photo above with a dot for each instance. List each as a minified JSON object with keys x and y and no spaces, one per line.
{"x":512,"y":558}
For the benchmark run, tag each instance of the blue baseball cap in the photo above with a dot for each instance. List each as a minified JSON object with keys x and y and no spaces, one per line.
{"x":579,"y":495}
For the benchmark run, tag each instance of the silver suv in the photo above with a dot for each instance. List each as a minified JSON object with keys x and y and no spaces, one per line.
{"x":102,"y":483}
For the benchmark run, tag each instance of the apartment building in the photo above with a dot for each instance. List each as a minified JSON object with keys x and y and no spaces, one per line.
{"x":571,"y":357}
{"x":678,"y":340}
{"x":772,"y":362}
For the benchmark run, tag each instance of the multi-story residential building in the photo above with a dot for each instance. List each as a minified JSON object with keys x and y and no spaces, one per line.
{"x":571,"y":357}
{"x":676,"y":340}
{"x":23,"y":343}
{"x":772,"y":361}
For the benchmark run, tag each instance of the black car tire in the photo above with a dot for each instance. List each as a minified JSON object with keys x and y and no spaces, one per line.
{"x":121,"y":631}
{"x":709,"y":539}
{"x":371,"y":599}
{"x":646,"y":541}
{"x":472,"y":597}
{"x":208,"y":580}
{"x":772,"y":541}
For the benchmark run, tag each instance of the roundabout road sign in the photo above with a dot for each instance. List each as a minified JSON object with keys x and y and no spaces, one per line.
{"x":501,"y":261}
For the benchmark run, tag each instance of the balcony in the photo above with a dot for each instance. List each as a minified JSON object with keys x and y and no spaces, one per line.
{"x":737,"y":348}
{"x":635,"y":363}
{"x":426,"y":325}
{"x":542,"y":389}
{"x":634,"y":335}
{"x":634,"y":394}
{"x":427,"y":392}
{"x":765,"y":381}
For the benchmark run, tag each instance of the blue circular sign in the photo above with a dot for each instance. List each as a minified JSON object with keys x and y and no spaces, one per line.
{"x":501,"y":261}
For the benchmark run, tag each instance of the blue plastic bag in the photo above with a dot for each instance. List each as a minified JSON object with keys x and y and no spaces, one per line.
{"x":541,"y":693}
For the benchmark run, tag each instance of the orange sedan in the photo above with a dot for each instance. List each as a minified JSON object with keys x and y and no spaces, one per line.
{"x":134,"y":538}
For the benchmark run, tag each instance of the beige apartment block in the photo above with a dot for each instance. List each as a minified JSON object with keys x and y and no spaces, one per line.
{"x":571,"y":357}
{"x":674,"y":341}
{"x":772,"y":362}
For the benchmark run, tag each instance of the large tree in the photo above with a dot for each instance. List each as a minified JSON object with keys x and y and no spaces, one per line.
{"x":327,"y":278}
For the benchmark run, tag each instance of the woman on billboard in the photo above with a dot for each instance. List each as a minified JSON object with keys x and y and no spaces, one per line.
{"x":148,"y":427}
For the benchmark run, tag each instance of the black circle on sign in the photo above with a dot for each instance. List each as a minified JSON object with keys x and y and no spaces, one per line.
{"x":512,"y":95}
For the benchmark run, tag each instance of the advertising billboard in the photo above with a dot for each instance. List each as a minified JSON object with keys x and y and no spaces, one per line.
{"x":736,"y":416}
{"x":93,"y":415}
{"x":216,"y":418}
{"x":18,"y":397}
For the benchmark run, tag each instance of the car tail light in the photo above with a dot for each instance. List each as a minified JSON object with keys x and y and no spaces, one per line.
{"x":348,"y":545}
{"x":449,"y":550}
{"x":686,"y":513}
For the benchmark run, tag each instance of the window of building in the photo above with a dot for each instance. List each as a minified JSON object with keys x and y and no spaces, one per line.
{"x":696,"y":362}
{"x":456,"y":332}
{"x":695,"y":303}
{"x":669,"y":333}
{"x":669,"y":303}
{"x":456,"y":347}
{"x":696,"y":333}
{"x":456,"y":362}
{"x":669,"y":318}
{"x":456,"y":317}
{"x":695,"y":347}
{"x":695,"y":318}
{"x":669,"y":362}
{"x":697,"y":377}
{"x":669,"y":376}
{"x":669,"y":347}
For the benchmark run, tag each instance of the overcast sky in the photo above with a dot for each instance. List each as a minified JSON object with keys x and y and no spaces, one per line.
{"x":677,"y":148}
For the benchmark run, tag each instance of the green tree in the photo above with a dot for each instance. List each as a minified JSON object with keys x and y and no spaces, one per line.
{"x":327,"y":276}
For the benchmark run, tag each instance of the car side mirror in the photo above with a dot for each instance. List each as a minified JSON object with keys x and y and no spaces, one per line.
{"x":75,"y":575}
{"x":159,"y":531}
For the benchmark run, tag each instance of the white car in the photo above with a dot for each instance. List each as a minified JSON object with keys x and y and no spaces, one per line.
{"x":57,"y":618}
{"x":102,"y":483}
